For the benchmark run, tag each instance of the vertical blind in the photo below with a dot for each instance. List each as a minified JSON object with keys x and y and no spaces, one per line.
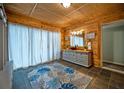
{"x":30,"y":46}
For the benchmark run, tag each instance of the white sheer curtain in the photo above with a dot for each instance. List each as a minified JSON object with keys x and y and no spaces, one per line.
{"x":30,"y":46}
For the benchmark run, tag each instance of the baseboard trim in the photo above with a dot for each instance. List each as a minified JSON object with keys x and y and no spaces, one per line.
{"x":114,"y":70}
{"x":108,"y":61}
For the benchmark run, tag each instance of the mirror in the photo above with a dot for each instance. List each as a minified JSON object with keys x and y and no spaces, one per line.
{"x":77,"y":39}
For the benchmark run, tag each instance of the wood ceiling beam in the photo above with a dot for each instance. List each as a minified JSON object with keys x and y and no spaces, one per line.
{"x":76,"y":9}
{"x":33,"y":9}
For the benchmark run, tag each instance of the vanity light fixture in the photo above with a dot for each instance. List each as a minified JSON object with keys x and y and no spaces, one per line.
{"x":77,"y":33}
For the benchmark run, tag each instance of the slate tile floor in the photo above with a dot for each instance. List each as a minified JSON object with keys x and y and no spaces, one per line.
{"x":102,"y":79}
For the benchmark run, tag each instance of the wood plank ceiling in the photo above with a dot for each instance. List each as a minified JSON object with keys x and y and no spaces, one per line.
{"x":56,"y":14}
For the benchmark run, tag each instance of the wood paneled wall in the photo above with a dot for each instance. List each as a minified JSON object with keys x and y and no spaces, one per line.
{"x":94,"y":26}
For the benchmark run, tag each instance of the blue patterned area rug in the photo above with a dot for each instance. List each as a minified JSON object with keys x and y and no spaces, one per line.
{"x":57,"y":76}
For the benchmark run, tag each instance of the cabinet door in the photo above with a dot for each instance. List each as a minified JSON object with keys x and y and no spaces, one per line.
{"x":65,"y":55}
{"x":83,"y":59}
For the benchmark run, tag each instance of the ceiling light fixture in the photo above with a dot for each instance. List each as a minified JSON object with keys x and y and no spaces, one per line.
{"x":66,"y":3}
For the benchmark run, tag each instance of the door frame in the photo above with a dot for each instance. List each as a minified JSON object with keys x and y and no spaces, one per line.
{"x":101,"y":38}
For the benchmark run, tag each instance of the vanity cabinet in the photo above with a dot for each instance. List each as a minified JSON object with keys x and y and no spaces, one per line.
{"x":83,"y":58}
